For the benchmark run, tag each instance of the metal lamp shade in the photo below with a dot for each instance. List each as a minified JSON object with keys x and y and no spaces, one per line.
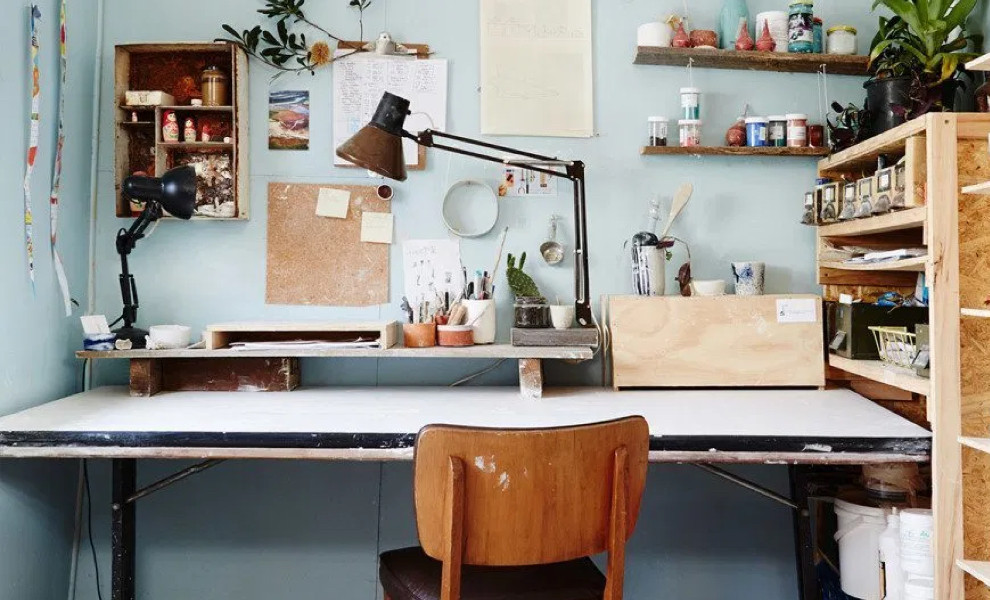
{"x":175,"y":191}
{"x":377,"y":150}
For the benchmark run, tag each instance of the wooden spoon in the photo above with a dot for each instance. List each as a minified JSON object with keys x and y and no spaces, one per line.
{"x":680,"y":201}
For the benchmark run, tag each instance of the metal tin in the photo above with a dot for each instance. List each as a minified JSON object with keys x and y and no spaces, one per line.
{"x":800,"y":27}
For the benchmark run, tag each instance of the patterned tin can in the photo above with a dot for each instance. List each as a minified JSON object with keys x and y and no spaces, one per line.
{"x":800,"y":27}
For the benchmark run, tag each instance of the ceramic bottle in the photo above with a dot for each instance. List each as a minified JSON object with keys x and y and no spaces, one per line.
{"x":728,"y":21}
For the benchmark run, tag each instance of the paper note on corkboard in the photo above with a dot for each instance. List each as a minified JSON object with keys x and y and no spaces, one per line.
{"x":318,"y":260}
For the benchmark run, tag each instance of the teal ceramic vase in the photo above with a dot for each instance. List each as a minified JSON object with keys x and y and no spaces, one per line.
{"x":728,"y":22}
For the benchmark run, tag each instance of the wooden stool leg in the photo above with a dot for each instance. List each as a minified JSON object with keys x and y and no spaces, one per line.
{"x":531,"y":378}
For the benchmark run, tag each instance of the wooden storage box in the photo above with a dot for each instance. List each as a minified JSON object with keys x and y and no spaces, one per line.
{"x":724,"y":341}
{"x":222,"y":335}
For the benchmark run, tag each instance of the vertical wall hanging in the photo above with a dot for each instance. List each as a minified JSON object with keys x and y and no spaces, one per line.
{"x":63,"y":282}
{"x":32,"y":154}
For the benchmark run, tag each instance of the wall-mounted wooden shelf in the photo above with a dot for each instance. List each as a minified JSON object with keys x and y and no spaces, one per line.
{"x":731,"y":151}
{"x":893,"y":221}
{"x":835,"y":64}
{"x":877,"y":371}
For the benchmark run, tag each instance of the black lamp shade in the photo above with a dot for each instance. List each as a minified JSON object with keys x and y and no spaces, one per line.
{"x":175,"y":191}
{"x":378,"y":145}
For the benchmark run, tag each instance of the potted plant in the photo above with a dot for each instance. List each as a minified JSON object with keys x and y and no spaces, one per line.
{"x":916,"y":59}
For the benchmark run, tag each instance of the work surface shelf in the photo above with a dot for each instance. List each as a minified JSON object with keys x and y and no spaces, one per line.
{"x":481,"y":351}
{"x":729,"y":426}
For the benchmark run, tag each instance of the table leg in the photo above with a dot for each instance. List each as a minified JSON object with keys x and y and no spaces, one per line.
{"x":122,"y":524}
{"x":531,"y":378}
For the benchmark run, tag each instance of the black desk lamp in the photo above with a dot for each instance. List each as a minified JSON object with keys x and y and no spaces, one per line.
{"x":174,"y":193}
{"x":378,"y":147}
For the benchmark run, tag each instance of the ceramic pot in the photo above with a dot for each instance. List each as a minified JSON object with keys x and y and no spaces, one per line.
{"x":704,"y":38}
{"x":714,"y":287}
{"x":736,"y":135}
{"x":455,"y":336}
{"x":749,"y":277}
{"x":744,"y":41}
{"x":681,"y":39}
{"x":654,"y":34}
{"x":728,"y":22}
{"x":882,"y":95}
{"x":419,"y":335}
{"x":562,"y":316}
{"x":766,"y":42}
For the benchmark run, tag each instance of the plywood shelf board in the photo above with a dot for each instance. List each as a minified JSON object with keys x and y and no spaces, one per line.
{"x":492,"y":351}
{"x":975,"y":312}
{"x":981,"y":444}
{"x":981,"y":189}
{"x":877,"y":371}
{"x":908,"y":264}
{"x":865,"y":154}
{"x":980,"y":63}
{"x":978,"y":569}
{"x":893,"y":221}
{"x":753,"y":61}
{"x":732,"y":151}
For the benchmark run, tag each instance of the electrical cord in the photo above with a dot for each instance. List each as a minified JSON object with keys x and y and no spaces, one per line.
{"x":89,"y":529}
{"x":470,"y":378}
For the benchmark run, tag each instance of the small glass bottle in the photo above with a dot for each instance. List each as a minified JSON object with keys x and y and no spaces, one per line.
{"x":214,"y":83}
{"x":658,"y":130}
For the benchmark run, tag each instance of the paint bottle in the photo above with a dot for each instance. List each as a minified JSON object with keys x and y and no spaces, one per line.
{"x":756,"y":131}
{"x":690,"y":103}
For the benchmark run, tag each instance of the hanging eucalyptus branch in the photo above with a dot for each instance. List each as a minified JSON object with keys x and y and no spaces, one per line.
{"x":288,"y":51}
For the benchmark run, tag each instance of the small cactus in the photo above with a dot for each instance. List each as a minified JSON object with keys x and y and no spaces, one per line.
{"x":522,"y":285}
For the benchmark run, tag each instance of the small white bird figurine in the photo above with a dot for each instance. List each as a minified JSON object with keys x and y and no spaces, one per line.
{"x":386,"y":46}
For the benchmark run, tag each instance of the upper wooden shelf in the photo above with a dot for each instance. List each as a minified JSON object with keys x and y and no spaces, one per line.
{"x":785,"y":62}
{"x":893,"y":221}
{"x":732,"y":151}
{"x":865,"y":154}
{"x":482,"y":351}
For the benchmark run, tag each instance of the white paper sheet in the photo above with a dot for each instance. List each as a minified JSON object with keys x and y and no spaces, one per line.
{"x":797,"y":310}
{"x":536,"y":68}
{"x":359,"y":82}
{"x":333,"y":202}
{"x":376,"y":228}
{"x":430,"y":268}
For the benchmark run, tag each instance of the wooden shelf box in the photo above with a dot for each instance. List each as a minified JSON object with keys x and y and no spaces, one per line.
{"x":175,"y":68}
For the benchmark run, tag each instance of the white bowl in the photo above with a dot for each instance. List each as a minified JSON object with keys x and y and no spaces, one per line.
{"x":168,"y":337}
{"x":711,"y":287}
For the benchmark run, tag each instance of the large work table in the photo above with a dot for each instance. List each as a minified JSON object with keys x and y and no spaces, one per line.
{"x":712,"y":426}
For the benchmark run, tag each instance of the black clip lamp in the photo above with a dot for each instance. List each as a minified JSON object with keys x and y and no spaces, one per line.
{"x":174,"y":193}
{"x":378,"y":147}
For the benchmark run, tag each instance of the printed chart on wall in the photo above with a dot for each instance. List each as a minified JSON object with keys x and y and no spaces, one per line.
{"x":536,"y":68}
{"x":359,"y":82}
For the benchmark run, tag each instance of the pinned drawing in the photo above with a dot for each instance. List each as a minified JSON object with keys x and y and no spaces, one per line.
{"x":432,"y":270}
{"x":288,"y":120}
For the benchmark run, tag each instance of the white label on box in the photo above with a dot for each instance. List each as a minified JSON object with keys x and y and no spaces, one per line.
{"x":797,"y":310}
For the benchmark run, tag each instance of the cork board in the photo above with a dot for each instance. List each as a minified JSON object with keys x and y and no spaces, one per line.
{"x":315,"y":260}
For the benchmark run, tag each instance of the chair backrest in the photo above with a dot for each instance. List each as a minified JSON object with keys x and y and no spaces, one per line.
{"x":529,"y":496}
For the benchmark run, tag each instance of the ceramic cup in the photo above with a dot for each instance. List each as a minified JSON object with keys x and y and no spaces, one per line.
{"x":714,"y":287}
{"x":481,"y":315}
{"x":654,"y":34}
{"x":749,"y":278}
{"x":562,"y":316}
{"x":168,"y":337}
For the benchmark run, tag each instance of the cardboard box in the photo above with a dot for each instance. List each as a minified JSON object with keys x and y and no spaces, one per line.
{"x":148,"y":98}
{"x":721,"y":342}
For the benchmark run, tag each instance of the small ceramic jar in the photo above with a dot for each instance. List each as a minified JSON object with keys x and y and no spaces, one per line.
{"x":690,"y":103}
{"x":658,"y":130}
{"x":756,"y":131}
{"x":841,"y":40}
{"x":532,"y":313}
{"x":690,"y":132}
{"x":704,"y":38}
{"x":419,"y":335}
{"x":797,"y":130}
{"x":777,"y":131}
{"x":455,"y":336}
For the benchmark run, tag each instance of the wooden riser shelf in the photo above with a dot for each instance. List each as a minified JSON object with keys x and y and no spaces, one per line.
{"x":877,"y":371}
{"x":783,"y":62}
{"x":894,"y":221}
{"x":732,"y":151}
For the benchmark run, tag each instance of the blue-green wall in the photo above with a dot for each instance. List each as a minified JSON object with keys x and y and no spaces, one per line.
{"x":36,"y":362}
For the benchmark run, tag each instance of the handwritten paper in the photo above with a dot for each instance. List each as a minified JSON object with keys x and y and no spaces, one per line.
{"x":333,"y":202}
{"x":536,"y":69}
{"x":359,"y":82}
{"x":797,"y":310}
{"x":376,"y":228}
{"x":431,"y":268}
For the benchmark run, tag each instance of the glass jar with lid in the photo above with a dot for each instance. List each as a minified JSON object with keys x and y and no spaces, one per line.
{"x":215,"y":87}
{"x":532,"y":312}
{"x":841,"y":40}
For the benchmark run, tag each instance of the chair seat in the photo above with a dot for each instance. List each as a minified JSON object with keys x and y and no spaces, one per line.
{"x":409,"y":574}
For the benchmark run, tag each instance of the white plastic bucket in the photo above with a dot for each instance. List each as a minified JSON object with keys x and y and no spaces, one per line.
{"x":858,"y":533}
{"x":917,"y":556}
{"x":919,"y":588}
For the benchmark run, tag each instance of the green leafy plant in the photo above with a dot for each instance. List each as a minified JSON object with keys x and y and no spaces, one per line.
{"x":521,"y":284}
{"x":924,"y":40}
{"x":286,"y":50}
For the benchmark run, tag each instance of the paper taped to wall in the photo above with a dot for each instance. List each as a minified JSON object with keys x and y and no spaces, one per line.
{"x":359,"y":82}
{"x":536,"y":68}
{"x":333,"y":202}
{"x":432,"y":268}
{"x":376,"y":228}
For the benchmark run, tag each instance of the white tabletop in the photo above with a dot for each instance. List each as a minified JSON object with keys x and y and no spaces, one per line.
{"x":809,"y":426}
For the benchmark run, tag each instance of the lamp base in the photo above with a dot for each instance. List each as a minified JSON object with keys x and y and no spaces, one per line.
{"x":137,"y":336}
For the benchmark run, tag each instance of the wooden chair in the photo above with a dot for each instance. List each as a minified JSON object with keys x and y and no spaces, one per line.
{"x":516,"y":513}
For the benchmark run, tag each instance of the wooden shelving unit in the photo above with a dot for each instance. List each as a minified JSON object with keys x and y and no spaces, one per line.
{"x":877,"y":371}
{"x":784,"y":62}
{"x":731,"y":151}
{"x":175,"y":68}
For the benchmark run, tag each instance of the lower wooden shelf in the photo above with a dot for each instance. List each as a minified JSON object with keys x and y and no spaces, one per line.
{"x":733,"y":151}
{"x":976,"y":568}
{"x":877,"y":371}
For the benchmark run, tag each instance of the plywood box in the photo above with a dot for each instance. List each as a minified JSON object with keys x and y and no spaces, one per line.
{"x":726,"y":341}
{"x":222,"y":335}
